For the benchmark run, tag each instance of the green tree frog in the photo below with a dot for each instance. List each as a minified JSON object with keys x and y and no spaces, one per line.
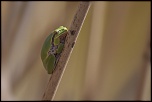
{"x":52,"y":48}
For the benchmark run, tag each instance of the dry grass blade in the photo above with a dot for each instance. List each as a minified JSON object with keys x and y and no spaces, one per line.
{"x":70,"y":41}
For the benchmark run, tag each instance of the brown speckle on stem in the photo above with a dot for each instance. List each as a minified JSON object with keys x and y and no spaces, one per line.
{"x":72,"y":32}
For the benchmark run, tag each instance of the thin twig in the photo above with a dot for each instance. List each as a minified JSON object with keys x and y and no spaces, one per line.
{"x":70,"y":41}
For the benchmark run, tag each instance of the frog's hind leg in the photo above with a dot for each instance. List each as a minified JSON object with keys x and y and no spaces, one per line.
{"x":58,"y":54}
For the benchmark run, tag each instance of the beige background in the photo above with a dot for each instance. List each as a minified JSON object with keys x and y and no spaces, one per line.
{"x":107,"y":62}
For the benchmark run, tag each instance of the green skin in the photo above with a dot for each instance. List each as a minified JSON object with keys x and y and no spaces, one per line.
{"x":52,"y":48}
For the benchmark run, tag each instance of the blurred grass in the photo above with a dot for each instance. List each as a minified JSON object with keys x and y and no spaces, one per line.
{"x":106,"y":62}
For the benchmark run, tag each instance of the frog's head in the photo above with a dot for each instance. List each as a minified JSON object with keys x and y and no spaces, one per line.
{"x":61,"y":30}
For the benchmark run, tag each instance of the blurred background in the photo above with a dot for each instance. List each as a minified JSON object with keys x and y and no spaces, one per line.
{"x":110,"y":60}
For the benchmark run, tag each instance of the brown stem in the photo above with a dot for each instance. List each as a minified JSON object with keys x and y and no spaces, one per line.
{"x":69,"y":44}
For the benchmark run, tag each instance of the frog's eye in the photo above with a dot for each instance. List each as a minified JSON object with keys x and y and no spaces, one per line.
{"x":58,"y":31}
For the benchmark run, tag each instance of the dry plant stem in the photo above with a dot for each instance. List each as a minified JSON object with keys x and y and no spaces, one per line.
{"x":146,"y":62}
{"x":70,"y":41}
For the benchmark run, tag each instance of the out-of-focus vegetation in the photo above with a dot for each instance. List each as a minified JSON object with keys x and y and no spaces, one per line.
{"x":107,"y":62}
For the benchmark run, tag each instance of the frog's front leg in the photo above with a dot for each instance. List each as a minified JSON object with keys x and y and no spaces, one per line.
{"x":58,"y":54}
{"x":60,"y":48}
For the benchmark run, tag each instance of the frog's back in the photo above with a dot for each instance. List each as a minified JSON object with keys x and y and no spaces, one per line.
{"x":46,"y":46}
